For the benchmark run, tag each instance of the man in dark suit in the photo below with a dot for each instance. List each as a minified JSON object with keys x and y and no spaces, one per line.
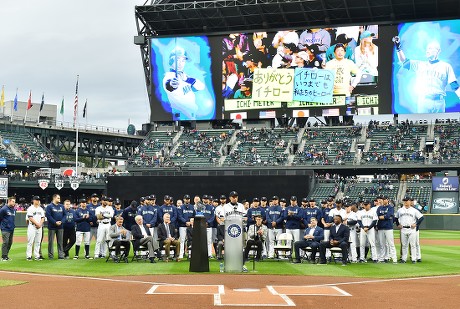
{"x":142,"y":236}
{"x":312,"y":237}
{"x":340,"y":234}
{"x":168,"y":235}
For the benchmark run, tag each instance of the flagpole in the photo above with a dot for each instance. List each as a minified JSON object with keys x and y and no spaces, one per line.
{"x":41,"y":107}
{"x":75,"y":121}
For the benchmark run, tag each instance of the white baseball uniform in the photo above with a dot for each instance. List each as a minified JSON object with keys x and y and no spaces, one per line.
{"x":367,"y":217}
{"x":34,"y":234}
{"x":103,"y":230}
{"x":407,"y":218}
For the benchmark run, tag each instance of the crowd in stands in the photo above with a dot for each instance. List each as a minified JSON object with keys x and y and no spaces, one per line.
{"x":447,"y":146}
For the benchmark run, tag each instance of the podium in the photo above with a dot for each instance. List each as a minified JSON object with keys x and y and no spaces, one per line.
{"x":199,"y":261}
{"x":234,"y":242}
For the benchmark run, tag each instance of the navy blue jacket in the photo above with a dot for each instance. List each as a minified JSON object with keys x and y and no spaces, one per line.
{"x":171,"y":209}
{"x":53,"y":214}
{"x":186,"y":211}
{"x":293,"y":221}
{"x":129,"y":215}
{"x":388,"y":212}
{"x":69,"y":219}
{"x":7,"y":216}
{"x":308,"y":213}
{"x":83,"y":223}
{"x":259,"y":211}
{"x":149,"y":214}
{"x":275,"y":214}
{"x":92,"y":210}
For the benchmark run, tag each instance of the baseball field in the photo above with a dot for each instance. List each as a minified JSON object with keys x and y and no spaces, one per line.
{"x":272,"y":283}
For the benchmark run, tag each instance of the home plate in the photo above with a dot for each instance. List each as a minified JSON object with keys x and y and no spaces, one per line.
{"x":251,"y":297}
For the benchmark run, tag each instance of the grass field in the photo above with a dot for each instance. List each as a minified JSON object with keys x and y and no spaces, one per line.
{"x":437,"y":260}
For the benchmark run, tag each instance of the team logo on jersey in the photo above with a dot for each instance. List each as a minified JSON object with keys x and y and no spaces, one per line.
{"x":234,"y":230}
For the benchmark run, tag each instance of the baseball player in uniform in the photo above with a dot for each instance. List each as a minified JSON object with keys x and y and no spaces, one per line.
{"x":104,"y":214}
{"x":407,"y":219}
{"x":433,"y":76}
{"x":385,"y":214}
{"x":186,"y":212}
{"x":352,"y":220}
{"x":83,"y":231}
{"x":367,"y":220}
{"x":417,"y":234}
{"x":181,"y":88}
{"x":275,"y":220}
{"x":36,"y":218}
{"x":92,"y":209}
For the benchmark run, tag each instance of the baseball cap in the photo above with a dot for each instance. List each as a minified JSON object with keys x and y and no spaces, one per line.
{"x":256,"y":199}
{"x":215,"y":200}
{"x":330,"y":199}
{"x":247,"y":82}
{"x":313,"y":48}
{"x":366,"y":202}
{"x":263,"y":198}
{"x":152,"y":197}
{"x":343,"y":38}
{"x":166,"y":198}
{"x":94,"y":195}
{"x":323,"y":202}
{"x":205,"y":197}
{"x":142,"y":199}
{"x":109,"y":199}
{"x":304,"y":200}
{"x":233,"y":193}
{"x":291,"y":46}
{"x":82,"y":200}
{"x":385,"y":197}
{"x":339,"y":202}
{"x":117,"y":201}
{"x":275,"y":197}
{"x":223,"y":197}
{"x":35,"y":198}
{"x":104,"y":198}
{"x":283,"y":200}
{"x":312,"y":200}
{"x":366,"y":34}
{"x":186,"y":196}
{"x":293,"y":198}
{"x":407,"y":198}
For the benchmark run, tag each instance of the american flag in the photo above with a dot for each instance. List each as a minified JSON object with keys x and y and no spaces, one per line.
{"x":75,"y":104}
{"x":267,"y":114}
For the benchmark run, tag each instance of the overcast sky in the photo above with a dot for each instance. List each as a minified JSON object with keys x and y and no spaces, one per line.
{"x":45,"y":44}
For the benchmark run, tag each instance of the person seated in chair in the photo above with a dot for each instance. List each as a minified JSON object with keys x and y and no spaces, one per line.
{"x":168,"y":235}
{"x":141,"y":235}
{"x":338,"y":237}
{"x":118,"y":237}
{"x":256,"y":237}
{"x":312,"y":237}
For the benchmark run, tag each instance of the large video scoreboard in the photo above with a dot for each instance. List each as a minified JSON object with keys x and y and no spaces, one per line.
{"x":353,"y":70}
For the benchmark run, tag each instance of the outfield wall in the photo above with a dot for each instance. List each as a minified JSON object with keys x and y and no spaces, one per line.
{"x":441,"y":222}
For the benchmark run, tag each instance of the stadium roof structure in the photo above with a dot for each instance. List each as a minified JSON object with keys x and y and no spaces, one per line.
{"x":180,"y":17}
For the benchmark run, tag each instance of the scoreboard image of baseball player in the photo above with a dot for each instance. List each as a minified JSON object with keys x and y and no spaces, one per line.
{"x":425,"y":68}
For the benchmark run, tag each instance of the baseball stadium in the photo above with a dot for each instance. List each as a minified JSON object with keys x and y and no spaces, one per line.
{"x":300,"y":153}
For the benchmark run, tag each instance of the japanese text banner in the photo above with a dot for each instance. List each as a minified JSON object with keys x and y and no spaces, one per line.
{"x":312,"y":85}
{"x":273,"y":85}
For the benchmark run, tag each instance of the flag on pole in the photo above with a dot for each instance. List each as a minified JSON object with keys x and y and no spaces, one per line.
{"x":15,"y":106}
{"x":43,"y":102}
{"x":75,"y":104}
{"x":29,"y":102}
{"x":62,"y":107}
{"x":84,"y":108}
{"x":2,"y":98}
